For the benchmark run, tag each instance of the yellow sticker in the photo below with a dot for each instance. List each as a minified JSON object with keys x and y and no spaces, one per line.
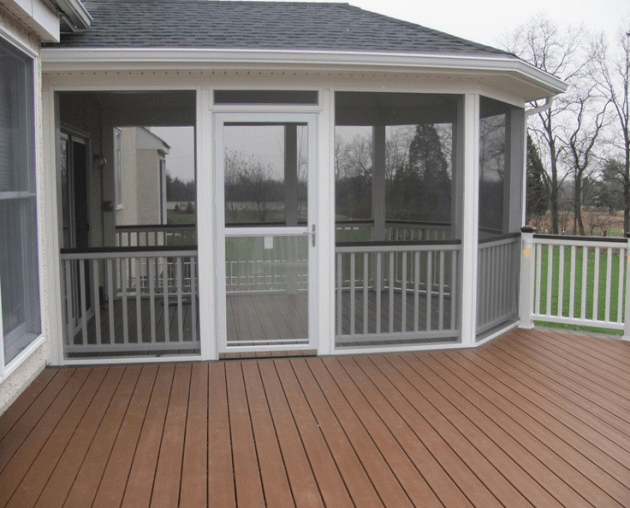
{"x":527,"y":252}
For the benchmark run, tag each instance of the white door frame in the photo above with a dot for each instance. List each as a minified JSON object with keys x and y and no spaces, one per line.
{"x":310,"y":229}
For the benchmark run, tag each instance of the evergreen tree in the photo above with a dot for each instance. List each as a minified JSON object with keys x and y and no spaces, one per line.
{"x":537,"y":187}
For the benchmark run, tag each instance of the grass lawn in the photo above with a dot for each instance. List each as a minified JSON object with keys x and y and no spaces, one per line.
{"x":590,"y":287}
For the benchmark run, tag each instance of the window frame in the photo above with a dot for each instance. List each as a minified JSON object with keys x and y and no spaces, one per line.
{"x":32,"y":58}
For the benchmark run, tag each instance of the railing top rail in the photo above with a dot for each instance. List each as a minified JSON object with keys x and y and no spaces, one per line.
{"x":418,"y":223}
{"x":578,"y":240}
{"x":349,"y":247}
{"x":123,"y":252}
{"x":499,"y":238}
{"x":153,"y":227}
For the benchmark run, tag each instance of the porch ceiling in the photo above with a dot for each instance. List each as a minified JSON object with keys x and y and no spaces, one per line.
{"x":534,"y":418}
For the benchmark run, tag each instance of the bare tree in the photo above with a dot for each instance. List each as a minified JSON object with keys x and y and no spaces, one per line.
{"x":580,"y":135}
{"x":611,"y":72}
{"x":561,"y":53}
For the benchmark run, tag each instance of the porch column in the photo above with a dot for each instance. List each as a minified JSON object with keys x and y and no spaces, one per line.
{"x":378,"y":183}
{"x":291,"y":202}
{"x":470,"y":220}
{"x":626,"y":326}
{"x":513,"y":202}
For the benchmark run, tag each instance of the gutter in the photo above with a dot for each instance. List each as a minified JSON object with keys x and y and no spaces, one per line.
{"x":540,"y":109}
{"x":73,"y":13}
{"x":112,"y":58}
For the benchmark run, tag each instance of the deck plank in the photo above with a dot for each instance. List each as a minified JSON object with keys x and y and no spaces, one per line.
{"x":194,"y":490}
{"x":535,"y":418}
{"x":168,"y":475}
{"x":26,"y":399}
{"x":332,"y":486}
{"x":272,"y":467}
{"x":411,"y":480}
{"x":299,"y":472}
{"x":221,"y":485}
{"x":249,"y":488}
{"x":89,"y":435}
{"x":103,"y":476}
{"x":32,"y":483}
{"x":355,"y":476}
{"x":142,"y":474}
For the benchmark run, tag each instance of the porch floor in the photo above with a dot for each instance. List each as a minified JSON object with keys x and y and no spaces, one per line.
{"x":534,"y":418}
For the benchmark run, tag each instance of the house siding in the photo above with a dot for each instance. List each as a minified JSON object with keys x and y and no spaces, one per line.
{"x":19,"y":378}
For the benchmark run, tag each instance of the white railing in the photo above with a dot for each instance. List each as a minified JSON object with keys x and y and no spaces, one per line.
{"x":161,"y":235}
{"x":130,"y":299}
{"x":497,"y":281}
{"x":575,"y":280}
{"x":388,"y":293}
{"x":413,"y":231}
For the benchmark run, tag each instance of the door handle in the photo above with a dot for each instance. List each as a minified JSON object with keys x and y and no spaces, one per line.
{"x":312,"y":234}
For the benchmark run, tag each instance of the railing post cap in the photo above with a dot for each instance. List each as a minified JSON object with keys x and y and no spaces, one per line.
{"x":528,"y":229}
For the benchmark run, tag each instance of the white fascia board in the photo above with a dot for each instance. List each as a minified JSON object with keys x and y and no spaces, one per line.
{"x":70,"y":59}
{"x":36,"y":15}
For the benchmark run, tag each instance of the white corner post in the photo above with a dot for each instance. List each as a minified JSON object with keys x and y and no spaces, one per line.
{"x":326,"y":223}
{"x":206,"y":226}
{"x":526,"y":291}
{"x":626,"y":325}
{"x":470,"y":220}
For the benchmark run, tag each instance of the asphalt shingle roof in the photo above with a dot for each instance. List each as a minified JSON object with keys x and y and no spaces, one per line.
{"x":258,"y":25}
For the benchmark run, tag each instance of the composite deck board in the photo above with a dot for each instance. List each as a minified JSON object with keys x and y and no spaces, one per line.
{"x":535,"y":418}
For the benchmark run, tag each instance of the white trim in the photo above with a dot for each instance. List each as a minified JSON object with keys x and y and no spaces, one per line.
{"x":22,"y":357}
{"x":470,"y":225}
{"x":223,"y":232}
{"x":19,"y":42}
{"x":60,"y":59}
{"x":129,"y":360}
{"x":498,"y":333}
{"x":435,"y":346}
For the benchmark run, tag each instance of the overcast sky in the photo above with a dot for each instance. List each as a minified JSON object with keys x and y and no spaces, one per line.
{"x":484,"y":21}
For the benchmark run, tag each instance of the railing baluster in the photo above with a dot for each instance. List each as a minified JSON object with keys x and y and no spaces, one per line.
{"x":608,"y":283}
{"x":572,"y":287}
{"x":352,"y":294}
{"x":429,"y":288}
{"x":441,"y":306}
{"x":378,"y":277}
{"x":561,"y":283}
{"x":620,"y":289}
{"x":453,"y":289}
{"x":584,"y":280}
{"x":339,"y":293}
{"x":538,"y":289}
{"x":550,"y":256}
{"x":165,"y":285}
{"x":151,"y":262}
{"x":138,"y":302}
{"x":110,"y":301}
{"x":392,"y":278}
{"x":403,"y":289}
{"x":366,"y":260}
{"x":193,"y":296}
{"x":69,"y":303}
{"x":82,"y":300}
{"x":596,"y":285}
{"x":180,"y":303}
{"x":97,"y":300}
{"x":125,"y":316}
{"x":416,"y":289}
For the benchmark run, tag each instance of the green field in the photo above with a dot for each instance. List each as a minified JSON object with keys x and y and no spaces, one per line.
{"x":590,"y":284}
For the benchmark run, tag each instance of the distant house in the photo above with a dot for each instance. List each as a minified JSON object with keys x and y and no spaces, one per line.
{"x":359,"y":182}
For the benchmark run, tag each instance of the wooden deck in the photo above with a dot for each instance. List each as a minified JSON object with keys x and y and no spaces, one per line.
{"x":531,"y":419}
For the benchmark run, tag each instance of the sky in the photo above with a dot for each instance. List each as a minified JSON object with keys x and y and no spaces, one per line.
{"x":484,"y":21}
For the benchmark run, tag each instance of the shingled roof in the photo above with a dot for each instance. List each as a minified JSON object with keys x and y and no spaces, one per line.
{"x":258,"y":25}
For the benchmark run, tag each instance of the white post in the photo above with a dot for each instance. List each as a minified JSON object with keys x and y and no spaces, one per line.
{"x":470,"y":220}
{"x":626,"y":326}
{"x":378,"y":183}
{"x":526,"y":291}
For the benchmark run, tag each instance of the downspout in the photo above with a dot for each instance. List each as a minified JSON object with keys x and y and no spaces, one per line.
{"x":529,"y":112}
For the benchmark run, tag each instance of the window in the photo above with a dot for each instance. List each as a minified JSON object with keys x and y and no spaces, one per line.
{"x":19,"y":261}
{"x":119,"y":168}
